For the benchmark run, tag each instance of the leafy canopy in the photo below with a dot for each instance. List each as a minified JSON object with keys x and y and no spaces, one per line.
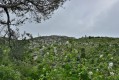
{"x":35,"y":10}
{"x":18,"y":11}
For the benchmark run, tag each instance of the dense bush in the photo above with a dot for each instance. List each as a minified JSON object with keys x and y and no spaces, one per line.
{"x":63,"y":59}
{"x":8,"y":73}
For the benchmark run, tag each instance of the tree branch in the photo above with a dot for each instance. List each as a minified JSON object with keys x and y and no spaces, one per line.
{"x":8,"y":23}
{"x":10,"y":5}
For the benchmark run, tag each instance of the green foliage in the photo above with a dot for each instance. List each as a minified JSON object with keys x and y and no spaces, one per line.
{"x":61,"y":59}
{"x":8,"y":73}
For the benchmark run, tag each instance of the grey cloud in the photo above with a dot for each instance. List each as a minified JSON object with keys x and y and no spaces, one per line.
{"x":79,"y":18}
{"x":107,"y":24}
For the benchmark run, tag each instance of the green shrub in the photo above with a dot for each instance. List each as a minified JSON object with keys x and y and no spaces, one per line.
{"x":7,"y":73}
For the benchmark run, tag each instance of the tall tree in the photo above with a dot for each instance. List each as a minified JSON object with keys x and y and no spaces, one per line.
{"x":33,"y":10}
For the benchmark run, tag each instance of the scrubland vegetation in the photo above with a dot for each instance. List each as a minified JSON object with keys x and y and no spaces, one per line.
{"x":60,"y":58}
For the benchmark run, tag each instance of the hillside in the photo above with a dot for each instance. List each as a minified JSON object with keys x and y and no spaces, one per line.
{"x":61,"y":58}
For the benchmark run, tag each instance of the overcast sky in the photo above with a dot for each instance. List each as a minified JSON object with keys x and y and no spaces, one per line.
{"x":78,"y":18}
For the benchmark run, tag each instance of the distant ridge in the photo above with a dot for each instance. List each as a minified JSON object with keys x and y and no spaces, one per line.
{"x":55,"y":37}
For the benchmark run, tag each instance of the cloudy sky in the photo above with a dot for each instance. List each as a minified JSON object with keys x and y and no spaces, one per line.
{"x":78,"y":18}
